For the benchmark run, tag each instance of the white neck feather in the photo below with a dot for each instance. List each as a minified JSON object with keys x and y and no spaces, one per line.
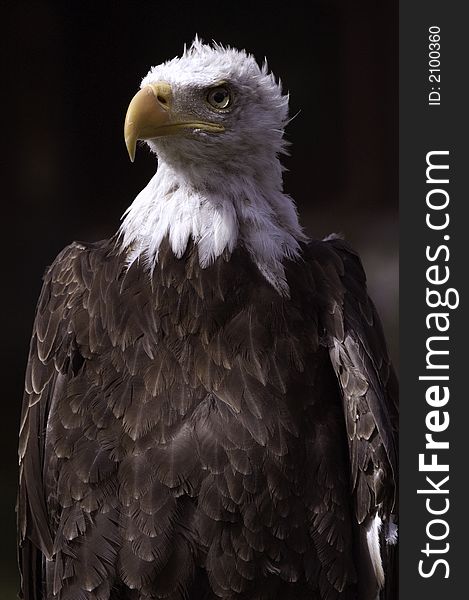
{"x":251,"y":212}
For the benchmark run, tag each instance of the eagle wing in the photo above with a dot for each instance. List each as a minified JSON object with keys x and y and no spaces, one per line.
{"x":368,"y":385}
{"x":53,"y":358}
{"x":369,"y":394}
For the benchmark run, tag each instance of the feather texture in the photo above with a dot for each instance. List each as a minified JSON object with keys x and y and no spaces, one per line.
{"x":217,"y":437}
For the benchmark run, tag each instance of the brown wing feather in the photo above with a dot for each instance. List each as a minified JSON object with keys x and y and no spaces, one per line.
{"x":52,"y":357}
{"x":369,"y":391}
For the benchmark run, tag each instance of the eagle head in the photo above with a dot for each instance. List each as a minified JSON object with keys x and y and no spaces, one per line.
{"x":215,"y":119}
{"x":212,"y":107}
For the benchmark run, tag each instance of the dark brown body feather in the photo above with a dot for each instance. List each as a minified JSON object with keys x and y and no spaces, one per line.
{"x":184,"y":435}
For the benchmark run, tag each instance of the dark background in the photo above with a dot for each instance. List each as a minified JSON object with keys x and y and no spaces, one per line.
{"x":69,"y":70}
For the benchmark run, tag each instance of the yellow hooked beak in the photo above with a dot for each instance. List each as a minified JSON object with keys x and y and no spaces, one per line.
{"x":150,"y":115}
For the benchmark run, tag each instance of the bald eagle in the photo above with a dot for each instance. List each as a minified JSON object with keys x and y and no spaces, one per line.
{"x":209,"y":409}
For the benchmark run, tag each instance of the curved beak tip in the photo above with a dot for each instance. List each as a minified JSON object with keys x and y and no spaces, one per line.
{"x":130,"y":143}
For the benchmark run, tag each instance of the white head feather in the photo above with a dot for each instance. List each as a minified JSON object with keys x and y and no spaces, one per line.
{"x":220,"y":189}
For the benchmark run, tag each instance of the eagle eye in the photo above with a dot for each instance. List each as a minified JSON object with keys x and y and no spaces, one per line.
{"x":219,"y":97}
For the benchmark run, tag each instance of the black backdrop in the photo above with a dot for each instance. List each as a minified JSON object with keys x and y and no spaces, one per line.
{"x":69,"y":70}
